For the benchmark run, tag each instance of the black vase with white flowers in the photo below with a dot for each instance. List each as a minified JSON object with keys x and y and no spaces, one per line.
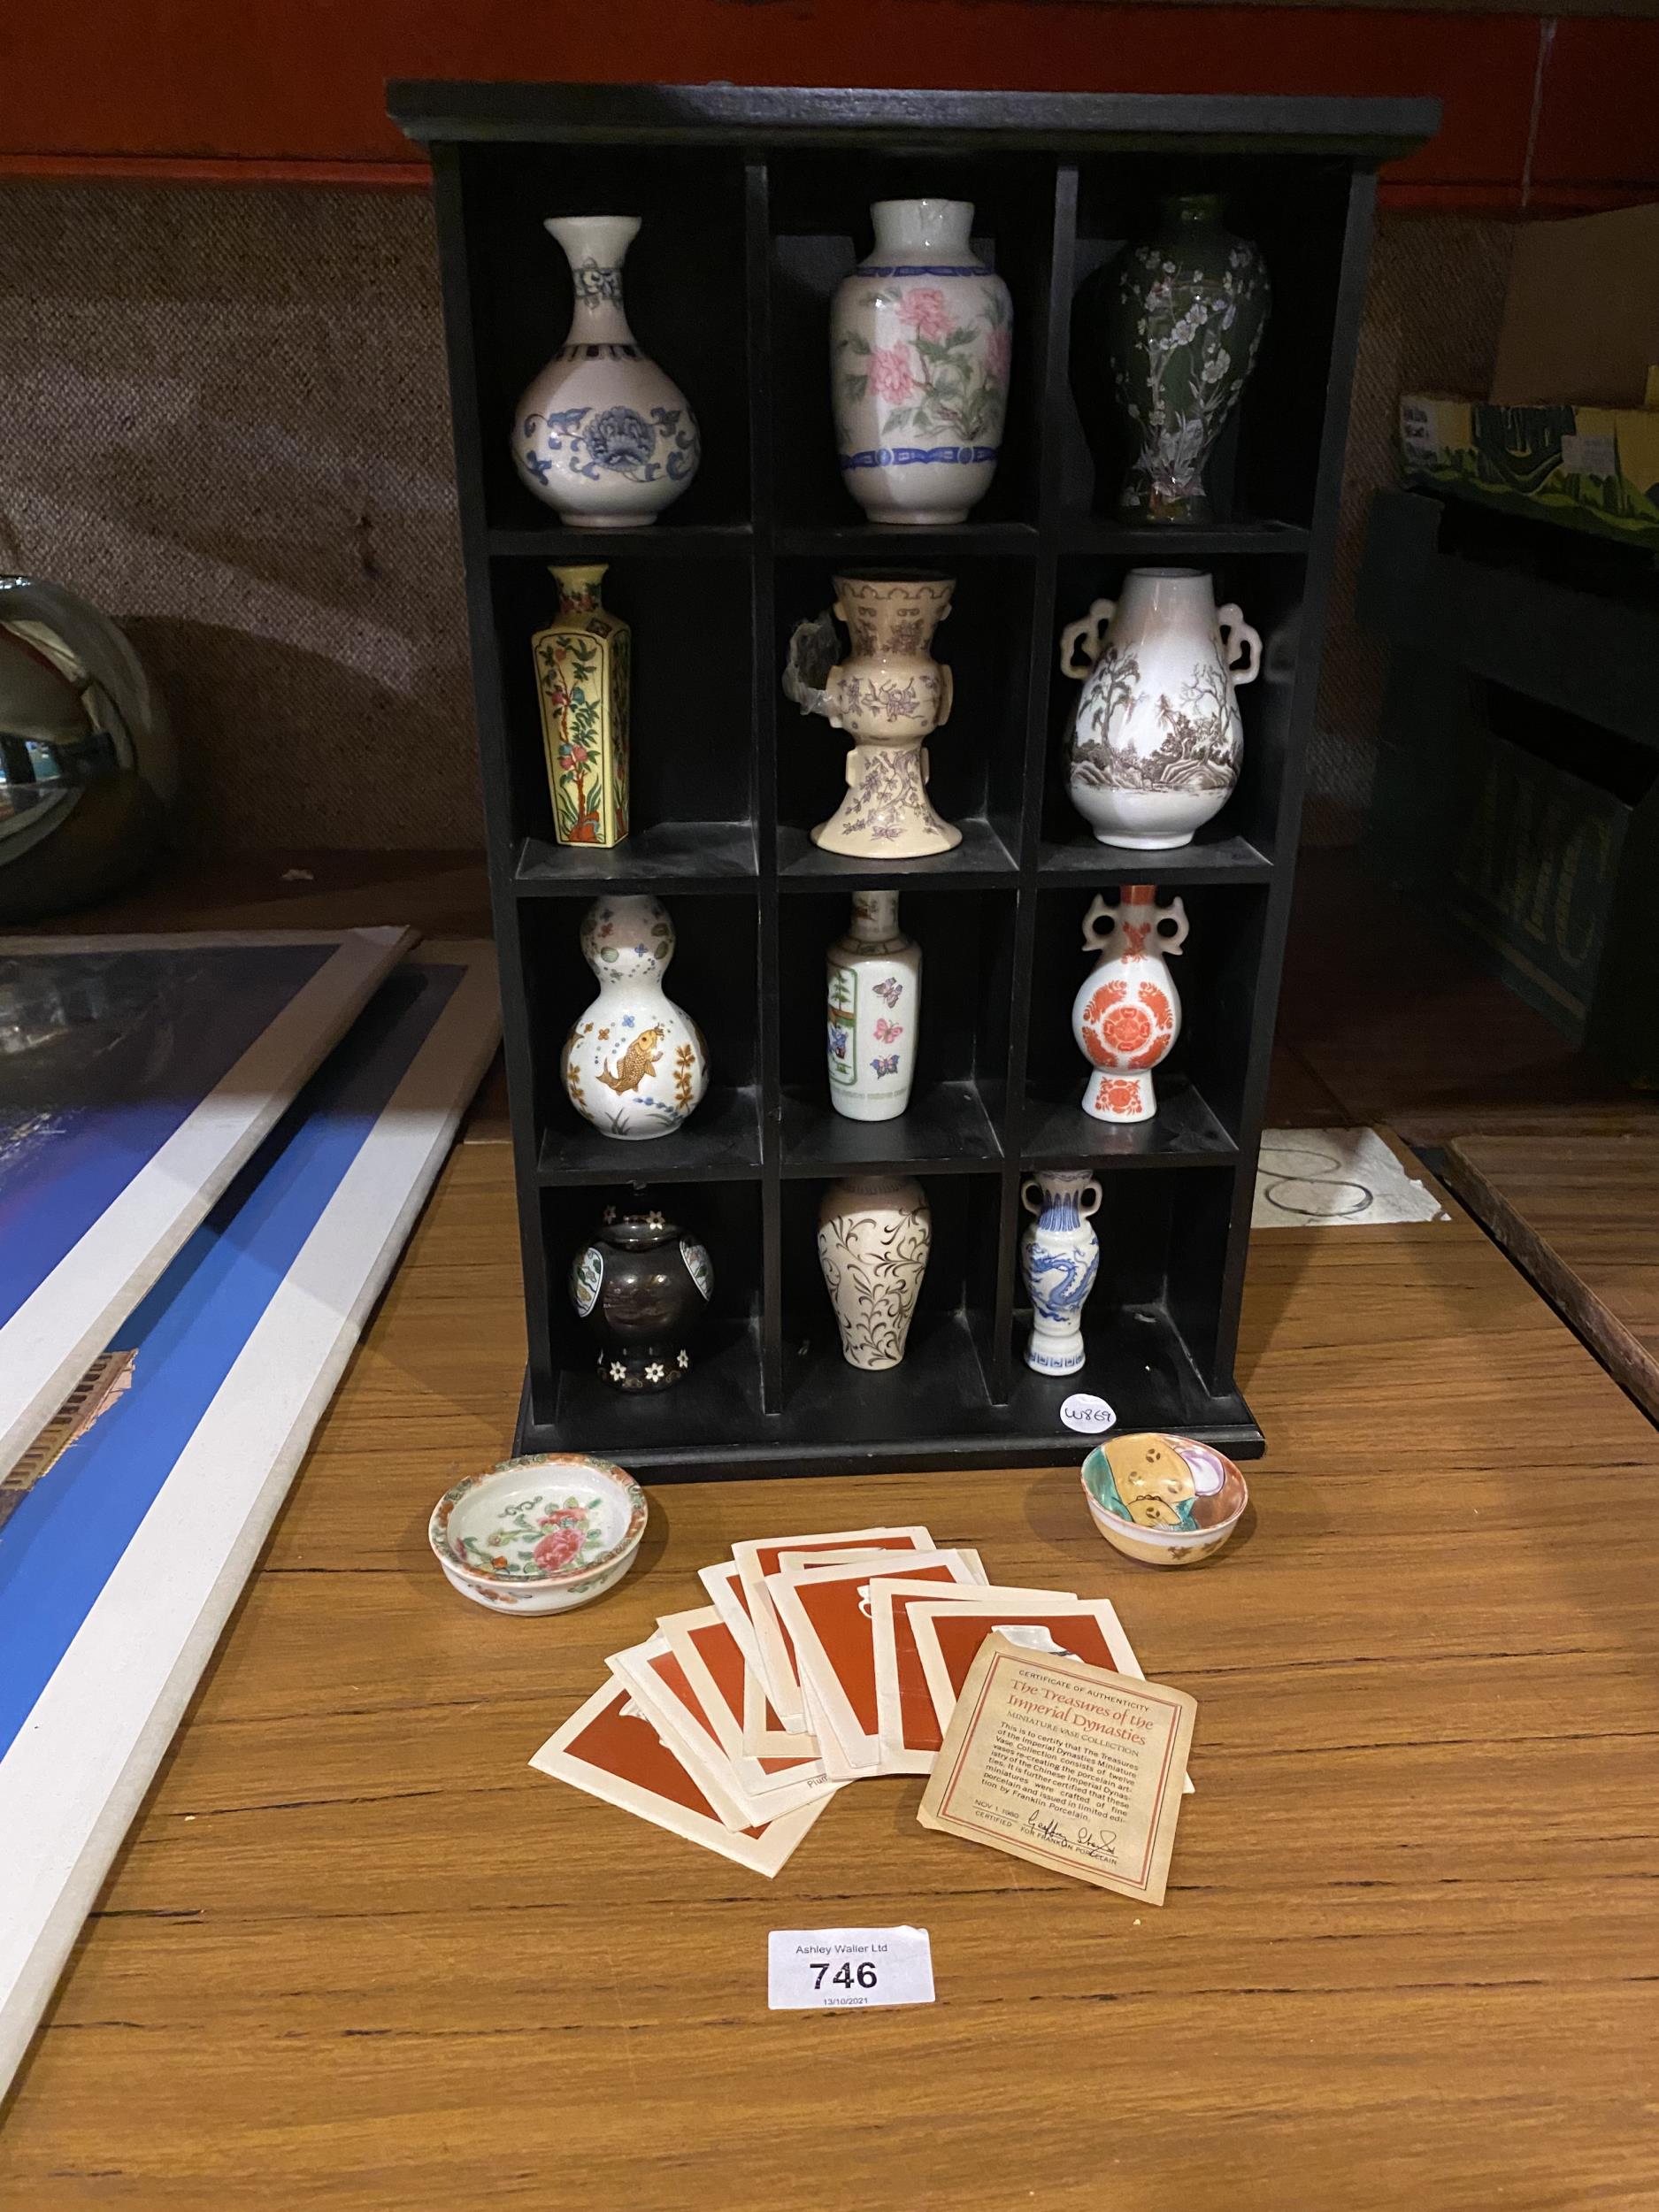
{"x":642,"y":1287}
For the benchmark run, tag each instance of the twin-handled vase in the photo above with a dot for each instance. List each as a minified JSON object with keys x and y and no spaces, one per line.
{"x":1156,"y":743}
{"x":1126,"y":1014}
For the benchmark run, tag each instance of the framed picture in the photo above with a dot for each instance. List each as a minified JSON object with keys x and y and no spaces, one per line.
{"x":119,"y":1567}
{"x":136,"y":1075}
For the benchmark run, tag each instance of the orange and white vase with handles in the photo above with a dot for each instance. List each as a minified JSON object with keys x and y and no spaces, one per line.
{"x":1127,"y":1014}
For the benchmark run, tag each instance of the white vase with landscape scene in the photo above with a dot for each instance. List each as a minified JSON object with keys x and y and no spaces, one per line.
{"x":601,"y":434}
{"x":1156,"y":743}
{"x":920,"y":339}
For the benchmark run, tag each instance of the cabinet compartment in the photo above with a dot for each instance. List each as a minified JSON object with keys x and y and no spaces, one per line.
{"x":1268,"y":591}
{"x":821,"y":229}
{"x":959,"y":1099}
{"x":682,"y":284}
{"x":721,"y":1395}
{"x":1150,"y":1337}
{"x":714,"y":977}
{"x":692,"y":770}
{"x":1264,"y":468}
{"x":1200,"y":1085}
{"x":942,"y":1387}
{"x":976,"y":759}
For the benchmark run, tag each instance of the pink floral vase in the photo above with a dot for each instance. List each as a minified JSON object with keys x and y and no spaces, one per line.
{"x":920,"y":337}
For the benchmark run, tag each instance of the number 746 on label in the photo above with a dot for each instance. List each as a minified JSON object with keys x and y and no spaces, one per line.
{"x":843,"y":1976}
{"x":848,"y":1969}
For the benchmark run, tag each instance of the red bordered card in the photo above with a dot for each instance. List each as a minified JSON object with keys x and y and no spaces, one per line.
{"x":828,"y":1612}
{"x":611,"y":1750}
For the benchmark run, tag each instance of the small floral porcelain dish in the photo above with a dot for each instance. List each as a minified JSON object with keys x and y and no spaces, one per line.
{"x":541,"y":1534}
{"x":1162,"y":1499}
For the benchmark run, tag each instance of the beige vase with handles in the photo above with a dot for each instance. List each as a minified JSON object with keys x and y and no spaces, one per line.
{"x":888,"y":694}
{"x":1156,"y":743}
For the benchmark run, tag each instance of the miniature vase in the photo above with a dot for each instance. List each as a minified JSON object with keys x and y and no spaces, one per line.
{"x":602,"y":434}
{"x":873,"y":1237}
{"x":920,"y":336}
{"x":582,"y":671}
{"x":1184,"y":320}
{"x":888,"y":694}
{"x":1156,"y":740}
{"x":1126,"y":1014}
{"x":875,"y":988}
{"x":1059,"y":1257}
{"x":641,"y":1285}
{"x":636,"y":1064}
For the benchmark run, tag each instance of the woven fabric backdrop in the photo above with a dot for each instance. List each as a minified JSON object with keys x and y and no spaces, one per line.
{"x":226,"y":422}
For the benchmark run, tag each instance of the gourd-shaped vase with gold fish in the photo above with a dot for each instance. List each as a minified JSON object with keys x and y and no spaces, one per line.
{"x":634,"y":1064}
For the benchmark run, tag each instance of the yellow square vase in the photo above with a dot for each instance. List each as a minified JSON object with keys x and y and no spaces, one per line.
{"x":583,"y":669}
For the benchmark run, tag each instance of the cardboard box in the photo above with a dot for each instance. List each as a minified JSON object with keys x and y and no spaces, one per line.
{"x":1581,"y":315}
{"x":1591,"y":468}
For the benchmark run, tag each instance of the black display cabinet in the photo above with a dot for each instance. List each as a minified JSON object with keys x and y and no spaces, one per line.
{"x":754,"y":205}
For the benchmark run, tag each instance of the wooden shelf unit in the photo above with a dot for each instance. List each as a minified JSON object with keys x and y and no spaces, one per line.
{"x":753,"y":204}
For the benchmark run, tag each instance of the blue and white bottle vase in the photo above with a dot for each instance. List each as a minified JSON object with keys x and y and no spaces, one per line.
{"x":601,"y":434}
{"x":920,"y":342}
{"x":1059,"y":1258}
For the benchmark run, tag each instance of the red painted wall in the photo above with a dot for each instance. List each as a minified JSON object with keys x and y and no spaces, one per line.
{"x":1539,"y":114}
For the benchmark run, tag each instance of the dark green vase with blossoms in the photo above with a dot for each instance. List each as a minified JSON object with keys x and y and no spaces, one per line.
{"x":1183,"y":324}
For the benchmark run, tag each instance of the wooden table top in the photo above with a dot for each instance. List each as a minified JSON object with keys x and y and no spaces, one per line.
{"x":358,"y":1955}
{"x":1580,"y":1213}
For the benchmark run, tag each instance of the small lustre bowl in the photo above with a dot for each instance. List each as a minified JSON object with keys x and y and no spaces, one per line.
{"x":1164,"y":1500}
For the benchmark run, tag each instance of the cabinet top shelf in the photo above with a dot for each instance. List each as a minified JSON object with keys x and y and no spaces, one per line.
{"x":1364,"y":129}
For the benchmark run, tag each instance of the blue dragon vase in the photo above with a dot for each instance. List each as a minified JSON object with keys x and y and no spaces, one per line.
{"x":1059,"y":1257}
{"x":601,"y":433}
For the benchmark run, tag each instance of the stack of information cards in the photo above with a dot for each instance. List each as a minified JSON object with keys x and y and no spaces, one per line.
{"x":831,"y":1658}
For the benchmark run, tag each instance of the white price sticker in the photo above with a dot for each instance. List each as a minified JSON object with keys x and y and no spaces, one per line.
{"x":844,"y":1970}
{"x":1089,"y":1416}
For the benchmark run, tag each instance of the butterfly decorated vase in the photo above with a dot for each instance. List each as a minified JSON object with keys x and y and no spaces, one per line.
{"x":874,"y":1008}
{"x":582,"y":666}
{"x":874,"y":1235}
{"x":1156,"y":740}
{"x":642,"y":1287}
{"x":888,"y":694}
{"x":601,"y":433}
{"x":1059,"y":1257}
{"x":920,"y":344}
{"x":1183,"y":324}
{"x":1126,"y":1014}
{"x":634,"y":1064}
